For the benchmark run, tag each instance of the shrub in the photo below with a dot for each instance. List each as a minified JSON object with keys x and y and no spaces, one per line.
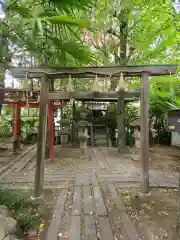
{"x":22,"y":210}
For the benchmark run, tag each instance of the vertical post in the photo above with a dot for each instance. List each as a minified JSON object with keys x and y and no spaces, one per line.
{"x":41,"y":142}
{"x":120,"y":124}
{"x":51,"y":124}
{"x":61,"y":109}
{"x":144,"y":142}
{"x":16,"y":127}
{"x":73,"y":123}
{"x":51,"y":130}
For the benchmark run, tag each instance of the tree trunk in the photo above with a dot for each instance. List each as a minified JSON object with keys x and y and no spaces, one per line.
{"x":123,"y":21}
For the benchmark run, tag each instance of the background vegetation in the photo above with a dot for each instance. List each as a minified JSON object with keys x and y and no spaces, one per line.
{"x":94,"y":32}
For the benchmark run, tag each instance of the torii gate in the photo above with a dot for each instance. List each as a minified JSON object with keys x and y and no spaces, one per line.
{"x":46,"y":74}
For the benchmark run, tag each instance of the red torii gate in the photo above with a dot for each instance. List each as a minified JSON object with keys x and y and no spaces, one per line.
{"x":13,"y":98}
{"x":17,"y":126}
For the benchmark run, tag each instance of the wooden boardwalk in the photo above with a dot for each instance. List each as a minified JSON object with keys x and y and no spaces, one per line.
{"x":89,"y":214}
{"x":89,"y":206}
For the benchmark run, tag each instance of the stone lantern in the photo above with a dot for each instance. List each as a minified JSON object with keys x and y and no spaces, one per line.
{"x":64,"y":131}
{"x":137,"y":136}
{"x":82,"y":127}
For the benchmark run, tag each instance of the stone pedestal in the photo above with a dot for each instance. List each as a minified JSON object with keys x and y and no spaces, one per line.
{"x":82,"y":127}
{"x":83,"y":144}
{"x":136,"y":126}
{"x":136,"y":154}
{"x":64,"y":132}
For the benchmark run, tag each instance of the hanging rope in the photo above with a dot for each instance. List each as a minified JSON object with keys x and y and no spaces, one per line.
{"x":96,"y":85}
{"x":70,"y":86}
{"x":121,"y":84}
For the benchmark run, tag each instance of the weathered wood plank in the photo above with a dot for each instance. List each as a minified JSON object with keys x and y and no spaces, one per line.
{"x":76,"y":208}
{"x":127,"y":224}
{"x":118,"y":201}
{"x":11,"y":164}
{"x":105,"y":229}
{"x":100,"y":207}
{"x":129,"y":227}
{"x":53,"y":229}
{"x":89,"y":228}
{"x":59,"y":95}
{"x":82,"y":179}
{"x":32,"y":165}
{"x":88,"y":205}
{"x":92,"y":95}
{"x":30,"y":186}
{"x":90,"y":72}
{"x":94,"y":180}
{"x":75,"y":228}
{"x":25,"y":159}
{"x":22,"y":164}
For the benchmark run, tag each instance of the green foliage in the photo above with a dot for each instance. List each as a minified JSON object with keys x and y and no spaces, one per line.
{"x":5,"y":126}
{"x":131,"y":112}
{"x":52,"y":33}
{"x":29,"y":125}
{"x":23,"y":211}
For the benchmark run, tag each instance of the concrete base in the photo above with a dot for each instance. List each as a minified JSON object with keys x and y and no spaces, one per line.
{"x":135,"y":157}
{"x":37,"y":200}
{"x":40,"y":203}
{"x":144,"y":196}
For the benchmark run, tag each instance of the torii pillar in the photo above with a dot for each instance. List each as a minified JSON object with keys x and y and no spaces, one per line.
{"x":16,"y":126}
{"x":51,"y":123}
{"x":144,"y":138}
{"x":51,"y":130}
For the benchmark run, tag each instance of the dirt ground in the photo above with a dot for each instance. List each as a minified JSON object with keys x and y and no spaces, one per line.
{"x":154,"y":216}
{"x":164,"y":158}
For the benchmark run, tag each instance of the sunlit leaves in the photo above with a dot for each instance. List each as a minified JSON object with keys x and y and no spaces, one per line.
{"x":47,"y":28}
{"x":67,"y":20}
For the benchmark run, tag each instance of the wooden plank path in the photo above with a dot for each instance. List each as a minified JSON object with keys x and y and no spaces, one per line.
{"x":105,"y":229}
{"x":53,"y":229}
{"x":82,"y":179}
{"x":75,"y":228}
{"x":19,"y":163}
{"x":17,"y":159}
{"x":100,"y":207}
{"x":88,"y":208}
{"x":76,"y":208}
{"x":89,"y":228}
{"x":88,"y":214}
{"x":127,"y":224}
{"x":87,"y":197}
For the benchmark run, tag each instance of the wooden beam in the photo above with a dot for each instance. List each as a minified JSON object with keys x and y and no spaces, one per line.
{"x":30,"y":105}
{"x":41,"y":142}
{"x":144,"y":142}
{"x":59,"y":95}
{"x":90,"y":72}
{"x":92,"y":95}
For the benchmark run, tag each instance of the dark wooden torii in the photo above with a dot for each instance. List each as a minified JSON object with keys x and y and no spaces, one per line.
{"x":143,"y":71}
